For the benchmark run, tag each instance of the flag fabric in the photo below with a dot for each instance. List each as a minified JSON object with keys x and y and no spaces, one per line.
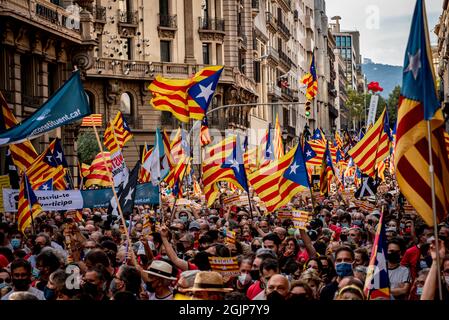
{"x":126,"y":194}
{"x":177,"y":173}
{"x":45,"y":167}
{"x":121,"y":129}
{"x":47,"y":186}
{"x":28,"y":206}
{"x":204,"y":133}
{"x":23,"y":154}
{"x":186,"y":98}
{"x":144,"y":175}
{"x":277,"y":140}
{"x":230,"y":236}
{"x":374,"y":146}
{"x":311,"y":80}
{"x":12,"y":170}
{"x":419,"y":104}
{"x":95,"y":119}
{"x":176,"y":150}
{"x":111,"y":141}
{"x":319,"y":147}
{"x":236,"y":163}
{"x":338,"y":140}
{"x":268,"y":154}
{"x":377,"y":283}
{"x":157,"y":163}
{"x":215,"y":168}
{"x":280,"y":180}
{"x":68,"y":104}
{"x":99,"y":171}
{"x":327,"y":172}
{"x":318,"y":135}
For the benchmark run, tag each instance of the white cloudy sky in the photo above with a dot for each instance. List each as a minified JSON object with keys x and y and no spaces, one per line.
{"x":384,"y":39}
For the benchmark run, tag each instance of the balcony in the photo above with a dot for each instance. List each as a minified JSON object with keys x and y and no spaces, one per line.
{"x":168,"y":25}
{"x":288,"y":93}
{"x":273,"y":55}
{"x":308,"y":22}
{"x":287,"y":4}
{"x":128,"y":18}
{"x":283,"y":30}
{"x":49,"y":16}
{"x":211,"y":29}
{"x":255,"y":7}
{"x":285,"y":60}
{"x":271,"y":21}
{"x":274,"y":91}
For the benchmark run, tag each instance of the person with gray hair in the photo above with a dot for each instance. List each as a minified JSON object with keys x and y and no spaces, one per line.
{"x":22,"y":295}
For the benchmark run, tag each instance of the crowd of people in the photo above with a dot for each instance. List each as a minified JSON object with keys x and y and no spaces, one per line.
{"x":63,"y":256}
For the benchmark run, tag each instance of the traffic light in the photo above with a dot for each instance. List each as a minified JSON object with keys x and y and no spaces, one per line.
{"x":308,"y":108}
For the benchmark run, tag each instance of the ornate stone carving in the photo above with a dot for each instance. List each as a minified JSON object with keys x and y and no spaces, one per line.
{"x":112,"y":92}
{"x":36,"y":44}
{"x":206,"y":35}
{"x":7,"y":35}
{"x":166,"y":33}
{"x":83,"y":60}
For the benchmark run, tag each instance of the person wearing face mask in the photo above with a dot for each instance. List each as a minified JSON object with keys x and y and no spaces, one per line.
{"x":418,"y":285}
{"x":16,"y":241}
{"x":127,"y":279}
{"x":21,"y":279}
{"x":277,"y":289}
{"x":344,"y":259}
{"x":411,"y":258}
{"x":398,"y":275}
{"x":244,"y":280}
{"x":299,"y":292}
{"x":55,"y":285}
{"x":158,"y":282}
{"x":94,"y":285}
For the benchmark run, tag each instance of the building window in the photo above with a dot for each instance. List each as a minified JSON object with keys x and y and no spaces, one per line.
{"x":163,"y":7}
{"x":125,"y":103}
{"x":219,"y":55}
{"x":348,"y":41}
{"x":338,"y":41}
{"x":91,"y":101}
{"x":53,"y":78}
{"x":206,"y":53}
{"x":165,"y":51}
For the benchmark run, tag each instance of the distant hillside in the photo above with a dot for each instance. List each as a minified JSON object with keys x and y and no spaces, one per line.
{"x":388,"y":76}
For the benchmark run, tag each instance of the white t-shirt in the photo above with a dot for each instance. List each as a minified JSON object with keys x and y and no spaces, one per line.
{"x":398,"y":276}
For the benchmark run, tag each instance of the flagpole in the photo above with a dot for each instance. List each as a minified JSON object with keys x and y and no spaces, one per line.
{"x":434,"y":208}
{"x":119,"y":207}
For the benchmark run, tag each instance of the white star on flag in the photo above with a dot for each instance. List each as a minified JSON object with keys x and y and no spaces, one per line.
{"x":293,"y":168}
{"x":59,"y":156}
{"x":45,"y":187}
{"x":206,"y":92}
{"x":414,"y":63}
{"x":235,"y":165}
{"x":129,"y":195}
{"x":308,"y":153}
{"x":49,"y":158}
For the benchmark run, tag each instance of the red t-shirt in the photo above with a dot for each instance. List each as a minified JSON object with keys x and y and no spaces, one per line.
{"x":410,"y":260}
{"x":254,"y":290}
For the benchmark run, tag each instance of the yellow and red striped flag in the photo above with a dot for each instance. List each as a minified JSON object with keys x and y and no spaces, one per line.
{"x":110,"y":139}
{"x":214,"y":170}
{"x":311,"y":80}
{"x":277,"y":140}
{"x":117,"y":133}
{"x":327,"y":172}
{"x":95,"y":119}
{"x":374,"y":146}
{"x":23,"y":154}
{"x":280,"y":180}
{"x":144,"y":175}
{"x":185,"y":98}
{"x":338,"y":140}
{"x":99,"y":172}
{"x":28,"y":206}
{"x":420,"y":110}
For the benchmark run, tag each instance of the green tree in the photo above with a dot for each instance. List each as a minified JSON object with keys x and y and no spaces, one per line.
{"x":358,"y":104}
{"x":87,"y":147}
{"x":393,"y":104}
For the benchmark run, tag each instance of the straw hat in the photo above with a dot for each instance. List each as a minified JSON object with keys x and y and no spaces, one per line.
{"x":160,"y":269}
{"x":208,"y":281}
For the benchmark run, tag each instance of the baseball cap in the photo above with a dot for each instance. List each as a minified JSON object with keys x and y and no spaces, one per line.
{"x":194,"y":225}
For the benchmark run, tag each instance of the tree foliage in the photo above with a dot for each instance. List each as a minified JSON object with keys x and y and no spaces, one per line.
{"x":87,"y":147}
{"x":393,"y":104}
{"x":358,"y":105}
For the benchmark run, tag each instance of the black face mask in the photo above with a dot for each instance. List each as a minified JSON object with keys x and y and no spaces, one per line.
{"x":275,"y":297}
{"x":180,"y":247}
{"x":394,"y":257}
{"x":255,"y":248}
{"x":254,"y":274}
{"x":21,"y":284}
{"x":150,"y":287}
{"x":90,"y":289}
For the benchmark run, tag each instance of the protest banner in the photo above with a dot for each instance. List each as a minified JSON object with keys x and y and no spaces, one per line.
{"x":4,"y":184}
{"x":227,"y":267}
{"x":300,"y":219}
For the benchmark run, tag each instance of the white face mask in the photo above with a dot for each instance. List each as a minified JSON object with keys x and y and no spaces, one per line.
{"x":244,"y":278}
{"x":446,"y":279}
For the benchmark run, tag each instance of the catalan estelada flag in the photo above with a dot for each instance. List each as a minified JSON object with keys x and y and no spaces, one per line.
{"x":377,"y":283}
{"x":28,"y":206}
{"x":268,"y":154}
{"x":204,"y":133}
{"x":280,"y":180}
{"x":117,"y":133}
{"x":311,"y":80}
{"x":144,"y":175}
{"x":338,"y":140}
{"x":419,"y":108}
{"x":278,"y":145}
{"x":186,"y":98}
{"x":222,"y":163}
{"x":327,"y":172}
{"x":46,"y":167}
{"x":374,"y":147}
{"x":23,"y":154}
